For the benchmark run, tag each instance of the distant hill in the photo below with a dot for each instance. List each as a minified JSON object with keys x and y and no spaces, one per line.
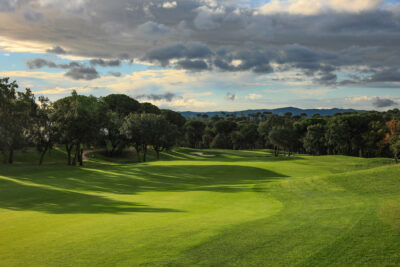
{"x":279,"y":111}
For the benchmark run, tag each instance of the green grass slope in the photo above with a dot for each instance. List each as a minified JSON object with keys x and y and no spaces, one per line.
{"x":240,"y":208}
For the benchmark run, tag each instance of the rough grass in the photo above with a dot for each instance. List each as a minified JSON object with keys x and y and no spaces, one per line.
{"x":240,"y":208}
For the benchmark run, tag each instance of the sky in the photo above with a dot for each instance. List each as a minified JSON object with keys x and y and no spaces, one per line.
{"x":207,"y":55}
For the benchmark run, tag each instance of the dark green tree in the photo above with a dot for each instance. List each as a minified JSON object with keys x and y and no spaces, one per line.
{"x":314,"y":141}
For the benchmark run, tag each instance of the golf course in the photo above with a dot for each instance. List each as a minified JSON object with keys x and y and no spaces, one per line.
{"x":234,"y":208}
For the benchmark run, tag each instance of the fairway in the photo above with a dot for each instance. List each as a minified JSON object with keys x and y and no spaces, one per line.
{"x":239,"y":208}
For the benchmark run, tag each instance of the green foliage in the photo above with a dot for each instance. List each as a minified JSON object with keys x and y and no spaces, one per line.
{"x":78,"y":119}
{"x":314,"y":140}
{"x":194,"y":130}
{"x":17,"y":110}
{"x":143,"y":130}
{"x":44,"y":130}
{"x":395,"y":145}
{"x":122,"y":104}
{"x":149,"y":108}
{"x":174,"y":117}
{"x":283,"y":137}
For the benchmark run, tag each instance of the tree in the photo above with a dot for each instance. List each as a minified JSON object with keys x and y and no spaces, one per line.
{"x":79,"y":120}
{"x":143,"y":130}
{"x":131,"y":129}
{"x":118,"y":107}
{"x":17,"y":110}
{"x":174,"y":117}
{"x":44,"y":132}
{"x":314,"y":140}
{"x":395,"y":146}
{"x":283,"y":137}
{"x":194,"y":130}
{"x":246,"y":137}
{"x":7,"y":106}
{"x":122,"y":104}
{"x":162,"y":134}
{"x":110,"y":133}
{"x":265,"y":127}
{"x":149,"y":108}
{"x":338,"y":136}
{"x":207,"y":137}
{"x":223,"y":129}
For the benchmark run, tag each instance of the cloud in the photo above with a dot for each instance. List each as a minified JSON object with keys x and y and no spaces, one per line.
{"x":32,"y":15}
{"x":386,"y":75}
{"x":383,"y":102}
{"x":57,"y":50}
{"x":253,"y":96}
{"x":105,"y":63}
{"x":172,"y":4}
{"x":151,"y":27}
{"x":306,"y":7}
{"x":39,"y":63}
{"x":321,"y":38}
{"x":230,"y":96}
{"x":157,"y":97}
{"x":77,"y":71}
{"x":178,"y":51}
{"x":193,"y":65}
{"x":115,"y":73}
{"x":82,"y":73}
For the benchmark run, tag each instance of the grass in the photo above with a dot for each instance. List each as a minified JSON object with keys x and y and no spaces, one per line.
{"x":240,"y":208}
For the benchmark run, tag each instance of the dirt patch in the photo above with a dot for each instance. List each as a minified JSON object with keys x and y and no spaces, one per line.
{"x":85,"y":156}
{"x":201,"y":154}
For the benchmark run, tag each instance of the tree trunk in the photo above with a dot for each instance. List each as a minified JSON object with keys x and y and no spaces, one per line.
{"x":396,"y":158}
{"x":69,"y":150}
{"x":4,"y":152}
{"x":77,"y":152}
{"x":144,"y":152}
{"x":11,"y":156}
{"x":276,"y":152}
{"x":80,"y":157}
{"x":42,"y":156}
{"x":137,"y":152}
{"x":158,"y":154}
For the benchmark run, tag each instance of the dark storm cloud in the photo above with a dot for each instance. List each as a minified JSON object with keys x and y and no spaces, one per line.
{"x":157,"y":97}
{"x":178,"y":51}
{"x":257,"y":61}
{"x":193,"y":65}
{"x":82,"y":73}
{"x":77,"y":71}
{"x":39,"y":63}
{"x":383,"y":102}
{"x":217,"y":35}
{"x":387,"y":75}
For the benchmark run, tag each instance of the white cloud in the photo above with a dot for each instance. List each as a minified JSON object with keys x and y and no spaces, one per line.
{"x":253,"y":96}
{"x":169,"y":4}
{"x":312,"y":7}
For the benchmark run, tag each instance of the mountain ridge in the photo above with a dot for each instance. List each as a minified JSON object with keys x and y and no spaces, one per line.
{"x":278,"y":111}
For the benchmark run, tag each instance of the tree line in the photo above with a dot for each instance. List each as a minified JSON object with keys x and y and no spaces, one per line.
{"x":367,"y":134}
{"x":117,"y":121}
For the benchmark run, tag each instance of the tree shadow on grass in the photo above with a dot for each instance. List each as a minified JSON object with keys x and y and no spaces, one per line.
{"x":18,"y":196}
{"x":226,"y":155}
{"x":131,"y":179}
